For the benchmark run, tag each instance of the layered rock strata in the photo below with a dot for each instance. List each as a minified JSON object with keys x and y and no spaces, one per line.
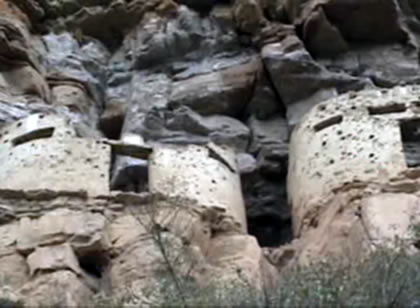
{"x":113,"y":110}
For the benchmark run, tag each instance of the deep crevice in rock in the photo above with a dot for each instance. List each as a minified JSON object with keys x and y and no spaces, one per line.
{"x":270,"y":230}
{"x":410,"y":136}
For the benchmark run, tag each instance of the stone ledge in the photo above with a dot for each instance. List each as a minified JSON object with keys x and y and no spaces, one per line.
{"x":129,"y":149}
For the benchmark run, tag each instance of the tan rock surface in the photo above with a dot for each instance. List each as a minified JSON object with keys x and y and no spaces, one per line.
{"x":81,"y":215}
{"x":53,"y":258}
{"x":83,"y":230}
{"x":62,"y":287}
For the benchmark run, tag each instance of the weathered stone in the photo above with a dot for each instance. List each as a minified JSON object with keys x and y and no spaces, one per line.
{"x":53,"y":258}
{"x":126,"y":231}
{"x":186,"y":36}
{"x":364,"y":23}
{"x":182,"y":80}
{"x":265,"y":102}
{"x":13,"y":108}
{"x":83,"y":231}
{"x":249,"y":16}
{"x":222,"y":92}
{"x":24,"y":80}
{"x":65,"y":59}
{"x":13,"y":270}
{"x":269,"y":133}
{"x":101,"y":19}
{"x":191,"y":226}
{"x":390,"y":216}
{"x":76,"y":99}
{"x":241,"y":260}
{"x":274,"y":9}
{"x":9,"y":239}
{"x":61,"y":287}
{"x":144,"y":255}
{"x":290,"y":66}
{"x":31,"y":7}
{"x":183,"y":126}
{"x":385,"y":65}
{"x":321,"y":37}
{"x":11,"y":10}
{"x":246,"y":163}
{"x":15,"y":47}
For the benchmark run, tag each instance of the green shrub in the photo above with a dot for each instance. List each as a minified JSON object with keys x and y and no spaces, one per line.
{"x":7,"y":303}
{"x":385,"y":279}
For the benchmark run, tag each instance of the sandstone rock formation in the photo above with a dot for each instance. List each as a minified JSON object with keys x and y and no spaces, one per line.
{"x":119,"y":118}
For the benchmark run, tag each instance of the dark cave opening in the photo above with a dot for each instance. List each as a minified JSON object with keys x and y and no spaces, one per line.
{"x":410,"y":137}
{"x":94,"y":263}
{"x":270,"y":230}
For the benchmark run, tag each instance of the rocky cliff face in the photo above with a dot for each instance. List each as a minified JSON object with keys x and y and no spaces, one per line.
{"x":109,"y":109}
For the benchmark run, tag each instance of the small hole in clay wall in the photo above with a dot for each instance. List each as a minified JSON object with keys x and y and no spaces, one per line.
{"x":392,"y":108}
{"x":328,"y":122}
{"x":33,"y":135}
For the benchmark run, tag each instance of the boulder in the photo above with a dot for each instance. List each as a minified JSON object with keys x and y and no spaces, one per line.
{"x":296,"y":76}
{"x":249,"y":16}
{"x":239,"y":260}
{"x":66,"y":59}
{"x":24,"y":80}
{"x":60,"y":287}
{"x":53,"y":258}
{"x":184,"y":36}
{"x":222,"y":92}
{"x":386,"y":65}
{"x":82,"y":230}
{"x":322,"y":38}
{"x":13,"y":270}
{"x":264,"y":102}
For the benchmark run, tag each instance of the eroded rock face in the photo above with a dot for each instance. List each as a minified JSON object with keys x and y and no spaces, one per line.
{"x":109,"y":108}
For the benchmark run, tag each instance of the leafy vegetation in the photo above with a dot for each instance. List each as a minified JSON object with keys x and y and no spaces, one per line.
{"x":386,"y":279}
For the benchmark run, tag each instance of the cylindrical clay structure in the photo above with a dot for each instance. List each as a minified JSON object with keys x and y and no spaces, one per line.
{"x":356,"y":137}
{"x":205,"y":174}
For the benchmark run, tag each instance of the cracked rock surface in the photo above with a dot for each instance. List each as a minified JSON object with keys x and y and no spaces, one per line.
{"x":272,"y":122}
